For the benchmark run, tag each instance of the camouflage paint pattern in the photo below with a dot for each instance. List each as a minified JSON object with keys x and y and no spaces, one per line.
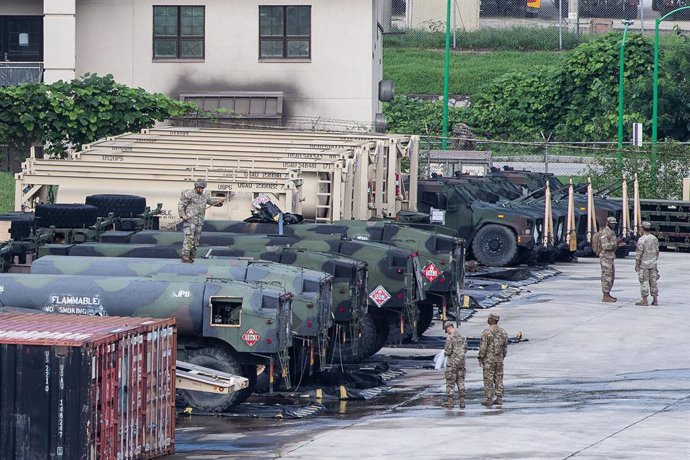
{"x":266,"y":311}
{"x":442,"y":252}
{"x":311,"y":303}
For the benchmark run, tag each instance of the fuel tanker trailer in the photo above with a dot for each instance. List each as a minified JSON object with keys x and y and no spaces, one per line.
{"x":224,"y":325}
{"x":442,"y":256}
{"x":311,"y":289}
{"x":395,"y":275}
{"x":353,"y":336}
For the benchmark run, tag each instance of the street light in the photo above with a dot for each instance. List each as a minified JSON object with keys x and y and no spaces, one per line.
{"x":446,"y":82}
{"x":621,"y":70}
{"x":655,"y":106}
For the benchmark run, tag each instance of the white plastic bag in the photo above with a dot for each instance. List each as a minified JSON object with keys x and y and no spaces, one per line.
{"x":440,"y":360}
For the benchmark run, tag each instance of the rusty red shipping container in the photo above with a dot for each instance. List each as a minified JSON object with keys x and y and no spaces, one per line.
{"x":86,"y":387}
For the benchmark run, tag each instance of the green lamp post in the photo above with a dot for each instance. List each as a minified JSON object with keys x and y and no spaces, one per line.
{"x":446,"y":80}
{"x":621,"y":72}
{"x":655,"y":106}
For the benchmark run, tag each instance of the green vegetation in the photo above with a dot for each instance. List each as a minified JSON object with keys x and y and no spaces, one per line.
{"x":70,"y":114}
{"x":418,"y":71}
{"x":512,"y":39}
{"x":6,"y":192}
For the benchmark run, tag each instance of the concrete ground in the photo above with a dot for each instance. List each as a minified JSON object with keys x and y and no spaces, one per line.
{"x":594,"y":380}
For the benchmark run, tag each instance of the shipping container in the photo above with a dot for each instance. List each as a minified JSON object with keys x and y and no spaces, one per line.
{"x":86,"y":387}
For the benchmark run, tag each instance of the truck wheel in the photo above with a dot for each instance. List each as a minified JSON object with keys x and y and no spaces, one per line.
{"x":394,"y":336}
{"x":220,"y":360}
{"x":495,"y":245}
{"x":119,"y":205}
{"x":426,"y":314}
{"x":66,"y":215}
{"x":366,"y":345}
{"x":382,"y":330}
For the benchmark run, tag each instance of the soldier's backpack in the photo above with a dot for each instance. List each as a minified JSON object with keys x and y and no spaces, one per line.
{"x":596,"y":243}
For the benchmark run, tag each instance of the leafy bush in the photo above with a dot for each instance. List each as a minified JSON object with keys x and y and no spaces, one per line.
{"x":511,"y":39}
{"x":70,"y":114}
{"x":418,"y":116}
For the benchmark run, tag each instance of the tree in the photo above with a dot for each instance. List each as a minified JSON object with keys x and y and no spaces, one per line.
{"x":66,"y":115}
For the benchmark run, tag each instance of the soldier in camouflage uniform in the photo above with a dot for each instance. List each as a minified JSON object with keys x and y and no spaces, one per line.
{"x":609,"y":244}
{"x":192,"y":210}
{"x":455,"y":349}
{"x":493,"y":348}
{"x":646,"y":256}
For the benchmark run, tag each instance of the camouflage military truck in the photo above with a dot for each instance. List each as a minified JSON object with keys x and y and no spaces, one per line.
{"x":312,"y":290}
{"x":224,"y":325}
{"x":441,"y":256}
{"x":353,"y":336}
{"x":394,"y":273}
{"x":496,"y":235}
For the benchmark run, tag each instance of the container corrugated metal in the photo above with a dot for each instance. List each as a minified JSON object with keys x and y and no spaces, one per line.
{"x":86,"y":387}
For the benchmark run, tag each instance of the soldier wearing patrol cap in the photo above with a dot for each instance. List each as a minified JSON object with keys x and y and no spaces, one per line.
{"x":493,"y":348}
{"x":455,"y":349}
{"x":609,"y":244}
{"x":192,"y":211}
{"x":646,"y":257}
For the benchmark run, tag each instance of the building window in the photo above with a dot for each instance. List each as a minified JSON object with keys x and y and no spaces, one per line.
{"x":178,"y":32}
{"x":284,"y":32}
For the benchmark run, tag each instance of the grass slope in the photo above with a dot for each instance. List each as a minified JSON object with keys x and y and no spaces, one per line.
{"x":418,"y":71}
{"x":6,"y":192}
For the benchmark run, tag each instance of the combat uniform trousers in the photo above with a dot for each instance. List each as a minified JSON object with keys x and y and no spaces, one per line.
{"x":608,"y":272}
{"x":192,"y":236}
{"x":455,"y":376}
{"x":648,"y":281}
{"x":493,"y":378}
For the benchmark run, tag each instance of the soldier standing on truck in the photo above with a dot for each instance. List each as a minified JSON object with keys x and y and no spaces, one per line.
{"x":455,"y":349}
{"x":646,"y":257}
{"x":609,"y":244}
{"x":192,"y":210}
{"x":493,"y":348}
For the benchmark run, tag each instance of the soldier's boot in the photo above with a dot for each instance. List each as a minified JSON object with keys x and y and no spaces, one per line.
{"x":655,"y":301}
{"x":642,"y":302}
{"x":186,"y":259}
{"x":449,"y":403}
{"x":498,"y":401}
{"x":487,"y":402}
{"x":462,"y":402}
{"x":608,"y":298}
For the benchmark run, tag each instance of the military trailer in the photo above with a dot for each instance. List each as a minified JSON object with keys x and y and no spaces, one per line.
{"x":228,"y":326}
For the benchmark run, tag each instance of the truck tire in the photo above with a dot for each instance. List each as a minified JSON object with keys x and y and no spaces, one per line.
{"x":221,"y":360}
{"x":426,"y":314}
{"x":119,"y":205}
{"x":66,"y":215}
{"x":365,"y":348}
{"x":394,"y":336}
{"x":495,"y":245}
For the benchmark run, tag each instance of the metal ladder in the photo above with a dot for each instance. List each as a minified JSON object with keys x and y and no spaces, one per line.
{"x":324,"y":195}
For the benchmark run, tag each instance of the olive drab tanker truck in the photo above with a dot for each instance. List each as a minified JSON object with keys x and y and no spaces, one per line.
{"x":441,"y":256}
{"x":312,"y":290}
{"x":353,"y":334}
{"x":228,"y":326}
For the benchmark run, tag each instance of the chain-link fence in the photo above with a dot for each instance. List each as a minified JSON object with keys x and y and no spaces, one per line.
{"x":560,"y":21}
{"x":660,"y":173}
{"x":11,"y":158}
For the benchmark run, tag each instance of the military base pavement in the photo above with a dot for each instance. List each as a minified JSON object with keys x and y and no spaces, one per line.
{"x":593,"y":380}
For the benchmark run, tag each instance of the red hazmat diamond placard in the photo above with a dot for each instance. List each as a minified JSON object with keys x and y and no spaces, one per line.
{"x":251,"y":337}
{"x":379,"y":296}
{"x":430,"y":272}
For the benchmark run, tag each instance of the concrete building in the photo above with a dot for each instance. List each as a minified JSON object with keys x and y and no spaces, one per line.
{"x":324,"y":56}
{"x":431,"y":14}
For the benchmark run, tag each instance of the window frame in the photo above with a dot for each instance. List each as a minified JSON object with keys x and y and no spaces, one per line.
{"x":178,"y":39}
{"x":285,"y":38}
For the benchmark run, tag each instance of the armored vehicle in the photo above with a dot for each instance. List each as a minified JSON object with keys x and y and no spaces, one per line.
{"x":224,"y":325}
{"x":496,"y":235}
{"x":312,"y":290}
